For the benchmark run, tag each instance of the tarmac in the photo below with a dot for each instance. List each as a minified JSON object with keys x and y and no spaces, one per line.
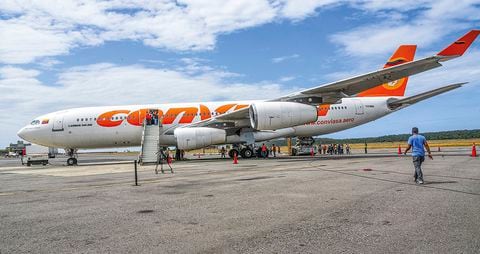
{"x":322,"y":204}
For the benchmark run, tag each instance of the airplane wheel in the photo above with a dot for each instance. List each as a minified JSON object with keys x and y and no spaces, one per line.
{"x":246,"y":153}
{"x":232,"y":152}
{"x":71,"y":161}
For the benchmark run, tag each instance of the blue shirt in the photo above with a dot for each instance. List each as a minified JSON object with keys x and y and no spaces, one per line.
{"x":417,"y":142}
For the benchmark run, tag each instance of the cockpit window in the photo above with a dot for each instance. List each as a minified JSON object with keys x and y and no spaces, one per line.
{"x":35,"y":122}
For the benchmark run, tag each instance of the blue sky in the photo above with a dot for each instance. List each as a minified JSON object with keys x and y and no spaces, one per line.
{"x":56,"y":55}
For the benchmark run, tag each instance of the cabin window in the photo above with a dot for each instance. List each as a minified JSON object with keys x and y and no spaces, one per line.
{"x":78,"y":119}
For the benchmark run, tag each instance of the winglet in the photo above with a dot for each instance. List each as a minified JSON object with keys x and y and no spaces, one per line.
{"x":460,"y":46}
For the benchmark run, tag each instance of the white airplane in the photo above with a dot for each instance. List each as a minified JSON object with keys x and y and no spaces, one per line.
{"x":320,"y":110}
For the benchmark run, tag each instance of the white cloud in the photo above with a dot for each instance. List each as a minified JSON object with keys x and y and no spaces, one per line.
{"x":286,"y":78}
{"x":46,"y":28}
{"x":300,"y":9}
{"x":10,"y":72}
{"x":434,"y":20}
{"x":284,"y":58}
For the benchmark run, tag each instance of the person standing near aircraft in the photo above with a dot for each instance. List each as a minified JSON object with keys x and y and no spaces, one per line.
{"x":264,"y":151}
{"x":223,"y":151}
{"x":274,"y":150}
{"x":418,"y":142}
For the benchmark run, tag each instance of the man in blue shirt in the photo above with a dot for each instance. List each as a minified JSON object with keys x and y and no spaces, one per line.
{"x":417,"y":142}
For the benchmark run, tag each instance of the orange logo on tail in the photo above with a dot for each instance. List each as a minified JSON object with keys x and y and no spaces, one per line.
{"x":403,"y":54}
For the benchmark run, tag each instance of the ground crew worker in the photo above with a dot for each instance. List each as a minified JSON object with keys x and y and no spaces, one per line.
{"x":274,"y":151}
{"x":418,"y":142}
{"x":264,"y":151}
{"x":223,"y":151}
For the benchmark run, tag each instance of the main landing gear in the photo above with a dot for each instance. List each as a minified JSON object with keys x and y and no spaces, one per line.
{"x":244,"y":151}
{"x":72,"y":154}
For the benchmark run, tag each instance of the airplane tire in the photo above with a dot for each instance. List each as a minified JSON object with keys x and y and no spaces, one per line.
{"x":232,"y":152}
{"x":246,"y":153}
{"x":71,"y":161}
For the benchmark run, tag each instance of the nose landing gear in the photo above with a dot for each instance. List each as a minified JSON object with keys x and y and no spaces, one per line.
{"x":72,"y":154}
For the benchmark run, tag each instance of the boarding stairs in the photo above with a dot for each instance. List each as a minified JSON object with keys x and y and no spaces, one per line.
{"x":150,"y":143}
{"x":152,"y":152}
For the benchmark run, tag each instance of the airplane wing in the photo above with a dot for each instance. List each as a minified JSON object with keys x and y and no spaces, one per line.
{"x":333,"y":92}
{"x":230,"y":121}
{"x":401,"y":103}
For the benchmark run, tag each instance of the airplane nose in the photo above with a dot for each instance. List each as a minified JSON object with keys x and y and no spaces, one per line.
{"x":25,"y":134}
{"x":21,"y":133}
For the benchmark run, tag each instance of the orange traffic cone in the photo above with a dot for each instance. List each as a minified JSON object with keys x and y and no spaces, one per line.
{"x":235,"y":158}
{"x":399,"y":150}
{"x":474,"y":150}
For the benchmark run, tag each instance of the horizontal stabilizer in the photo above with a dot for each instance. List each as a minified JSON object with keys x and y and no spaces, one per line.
{"x":420,"y":97}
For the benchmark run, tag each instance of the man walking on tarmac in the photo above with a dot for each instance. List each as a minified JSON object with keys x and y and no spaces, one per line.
{"x":417,"y":142}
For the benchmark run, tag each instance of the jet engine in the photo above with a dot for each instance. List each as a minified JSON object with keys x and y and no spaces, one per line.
{"x":278,"y":115}
{"x":198,"y":137}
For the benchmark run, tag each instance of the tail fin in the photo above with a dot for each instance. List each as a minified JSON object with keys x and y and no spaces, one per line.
{"x":404,"y":53}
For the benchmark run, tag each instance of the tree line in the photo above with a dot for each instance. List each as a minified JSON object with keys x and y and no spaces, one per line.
{"x":438,"y":135}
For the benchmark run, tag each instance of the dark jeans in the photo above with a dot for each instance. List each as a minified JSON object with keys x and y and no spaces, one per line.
{"x":417,"y":163}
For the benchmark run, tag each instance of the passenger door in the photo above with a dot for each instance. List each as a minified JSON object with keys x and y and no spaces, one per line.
{"x":359,"y":108}
{"x":58,"y":123}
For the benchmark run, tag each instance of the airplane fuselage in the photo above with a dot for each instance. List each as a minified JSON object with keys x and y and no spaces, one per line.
{"x":121,"y":126}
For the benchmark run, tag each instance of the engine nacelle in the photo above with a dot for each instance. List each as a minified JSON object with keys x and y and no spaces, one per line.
{"x":278,"y":115}
{"x":198,"y":137}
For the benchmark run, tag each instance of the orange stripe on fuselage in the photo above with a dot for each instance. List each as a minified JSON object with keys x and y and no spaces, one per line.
{"x":204,"y":112}
{"x":239,"y":106}
{"x":224,"y":108}
{"x":322,"y":110}
{"x":106,"y":119}
{"x":187,"y":117}
{"x":137,"y":117}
